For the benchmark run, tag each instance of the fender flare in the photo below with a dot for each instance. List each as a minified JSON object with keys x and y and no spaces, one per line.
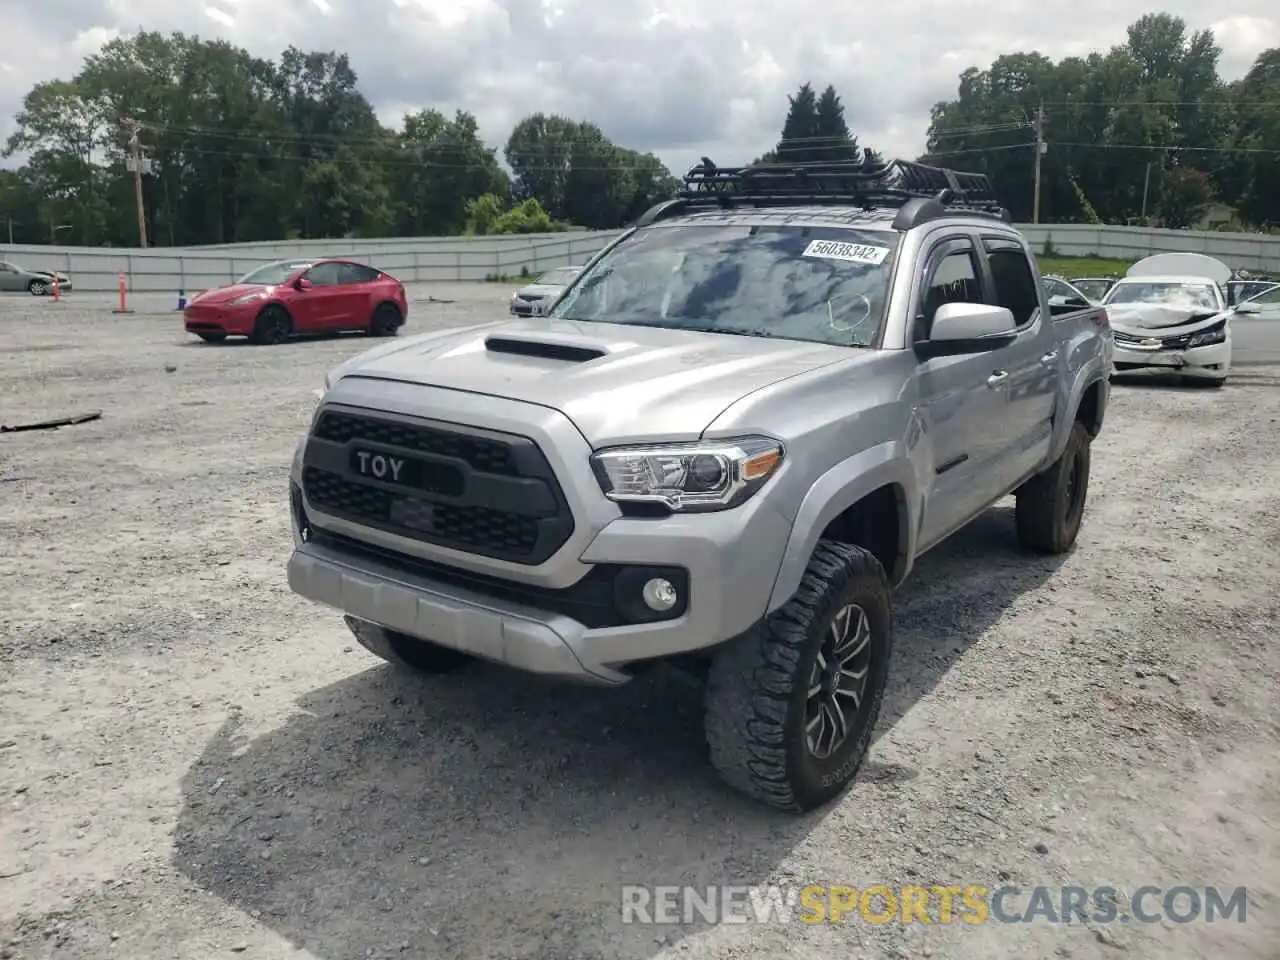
{"x":834,"y":492}
{"x":1092,"y":373}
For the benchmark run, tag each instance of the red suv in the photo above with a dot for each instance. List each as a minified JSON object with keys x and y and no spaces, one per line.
{"x":272,"y":303}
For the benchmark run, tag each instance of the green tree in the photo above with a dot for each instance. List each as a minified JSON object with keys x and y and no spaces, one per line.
{"x":1185,"y":193}
{"x":800,"y":128}
{"x":836,"y":142}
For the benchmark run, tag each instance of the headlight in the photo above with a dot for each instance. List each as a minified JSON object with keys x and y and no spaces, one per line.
{"x":1215,"y":334}
{"x":689,"y":478}
{"x":246,"y":298}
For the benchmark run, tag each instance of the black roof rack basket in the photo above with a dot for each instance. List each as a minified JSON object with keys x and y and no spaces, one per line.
{"x":865,"y":183}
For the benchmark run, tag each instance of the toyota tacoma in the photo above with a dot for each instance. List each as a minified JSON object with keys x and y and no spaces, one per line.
{"x":720,"y":448}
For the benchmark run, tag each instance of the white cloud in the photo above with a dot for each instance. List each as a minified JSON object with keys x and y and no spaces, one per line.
{"x":680,"y":77}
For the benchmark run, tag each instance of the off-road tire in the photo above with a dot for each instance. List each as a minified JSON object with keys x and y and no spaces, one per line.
{"x":212,"y":337}
{"x":401,"y":650}
{"x":758,"y":686}
{"x":272,"y":326}
{"x":385,"y":321}
{"x":1050,"y":506}
{"x":38,"y":288}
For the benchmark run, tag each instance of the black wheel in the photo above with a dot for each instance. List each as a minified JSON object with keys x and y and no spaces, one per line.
{"x":385,"y":321}
{"x":212,"y":337}
{"x":271,"y":327}
{"x":792,"y":703}
{"x":38,"y":288}
{"x":403,"y":650}
{"x":1051,"y":504}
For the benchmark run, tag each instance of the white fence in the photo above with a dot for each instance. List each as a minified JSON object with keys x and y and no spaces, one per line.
{"x":428,"y":259}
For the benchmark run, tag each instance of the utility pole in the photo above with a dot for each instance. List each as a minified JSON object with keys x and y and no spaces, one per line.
{"x":1146,"y":184}
{"x":1041,"y":146}
{"x":135,"y":163}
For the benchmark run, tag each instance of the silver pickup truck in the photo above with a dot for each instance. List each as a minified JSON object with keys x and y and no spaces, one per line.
{"x":720,"y":448}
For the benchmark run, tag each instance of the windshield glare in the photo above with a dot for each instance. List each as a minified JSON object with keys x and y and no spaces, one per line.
{"x":273,"y":273}
{"x":1167,"y":293}
{"x":561,"y":275}
{"x":818,"y":284}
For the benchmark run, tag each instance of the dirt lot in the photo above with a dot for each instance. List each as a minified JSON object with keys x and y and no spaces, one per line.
{"x":194,"y":763}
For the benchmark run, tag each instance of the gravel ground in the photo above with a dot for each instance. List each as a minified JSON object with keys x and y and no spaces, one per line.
{"x":194,"y":763}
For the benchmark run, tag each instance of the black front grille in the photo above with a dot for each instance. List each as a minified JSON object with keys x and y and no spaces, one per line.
{"x":473,"y":490}
{"x":481,"y":453}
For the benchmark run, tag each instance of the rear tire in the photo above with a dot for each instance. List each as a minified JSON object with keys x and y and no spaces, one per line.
{"x":402,"y":650}
{"x":386,"y":321}
{"x":771,"y":692}
{"x":272,"y":327}
{"x":212,"y":337}
{"x":1050,"y":506}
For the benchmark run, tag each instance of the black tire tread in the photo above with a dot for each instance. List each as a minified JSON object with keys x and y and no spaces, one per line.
{"x":271,"y":310}
{"x":1039,"y":500}
{"x":381,"y":309}
{"x":752,"y":678}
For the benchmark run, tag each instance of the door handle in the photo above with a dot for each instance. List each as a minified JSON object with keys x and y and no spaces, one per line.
{"x":1050,"y":358}
{"x":997,"y":379}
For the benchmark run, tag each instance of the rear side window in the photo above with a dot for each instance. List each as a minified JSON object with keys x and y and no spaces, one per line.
{"x":1015,"y":283}
{"x":359,"y":273}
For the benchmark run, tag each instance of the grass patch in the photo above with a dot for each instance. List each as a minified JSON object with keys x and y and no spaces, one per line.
{"x":1084,"y":266}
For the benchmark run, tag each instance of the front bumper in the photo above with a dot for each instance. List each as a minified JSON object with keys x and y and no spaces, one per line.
{"x":218,"y":318}
{"x":524,"y":618}
{"x":1212,"y":362}
{"x":520,"y":308}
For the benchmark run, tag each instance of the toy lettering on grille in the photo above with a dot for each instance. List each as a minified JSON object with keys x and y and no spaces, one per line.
{"x":850,"y":252}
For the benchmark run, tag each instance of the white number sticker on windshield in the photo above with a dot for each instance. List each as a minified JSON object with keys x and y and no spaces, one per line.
{"x":850,"y":252}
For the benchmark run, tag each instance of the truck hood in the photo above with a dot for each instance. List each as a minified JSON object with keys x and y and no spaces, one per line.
{"x":1139,"y":317}
{"x":618,"y":384}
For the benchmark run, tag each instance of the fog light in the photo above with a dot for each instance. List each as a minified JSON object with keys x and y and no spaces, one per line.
{"x":659,"y":595}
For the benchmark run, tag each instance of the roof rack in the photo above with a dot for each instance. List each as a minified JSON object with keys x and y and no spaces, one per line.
{"x":918,"y":191}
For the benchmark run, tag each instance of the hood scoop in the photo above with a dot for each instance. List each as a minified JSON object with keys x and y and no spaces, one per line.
{"x":545,"y":347}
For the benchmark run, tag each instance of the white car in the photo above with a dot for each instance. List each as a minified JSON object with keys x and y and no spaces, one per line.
{"x":1169,"y":314}
{"x":540,"y":294}
{"x":1063,"y":292}
{"x":1264,"y":304}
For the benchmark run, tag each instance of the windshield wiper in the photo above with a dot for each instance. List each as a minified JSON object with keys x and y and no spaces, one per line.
{"x":736,"y":331}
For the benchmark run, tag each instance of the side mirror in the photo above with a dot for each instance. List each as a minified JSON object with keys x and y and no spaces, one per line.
{"x":1248,"y":309}
{"x":960,"y":328}
{"x":302,"y":283}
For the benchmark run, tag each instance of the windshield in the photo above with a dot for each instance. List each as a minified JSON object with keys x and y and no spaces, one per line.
{"x":819,"y":284}
{"x":561,"y":276}
{"x":1170,"y":293}
{"x":274,"y":273}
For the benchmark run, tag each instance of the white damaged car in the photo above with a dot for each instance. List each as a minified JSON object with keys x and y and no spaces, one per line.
{"x":1169,"y":314}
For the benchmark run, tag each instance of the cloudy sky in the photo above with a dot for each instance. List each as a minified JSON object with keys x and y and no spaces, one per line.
{"x":678,"y":77}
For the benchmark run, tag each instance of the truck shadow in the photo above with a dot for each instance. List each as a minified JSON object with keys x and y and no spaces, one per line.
{"x":493,"y":815}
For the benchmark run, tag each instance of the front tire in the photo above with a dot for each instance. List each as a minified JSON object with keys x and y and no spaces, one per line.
{"x":385,"y":322}
{"x":38,"y":288}
{"x":272,"y":327}
{"x":1050,"y":506}
{"x":791,"y":704}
